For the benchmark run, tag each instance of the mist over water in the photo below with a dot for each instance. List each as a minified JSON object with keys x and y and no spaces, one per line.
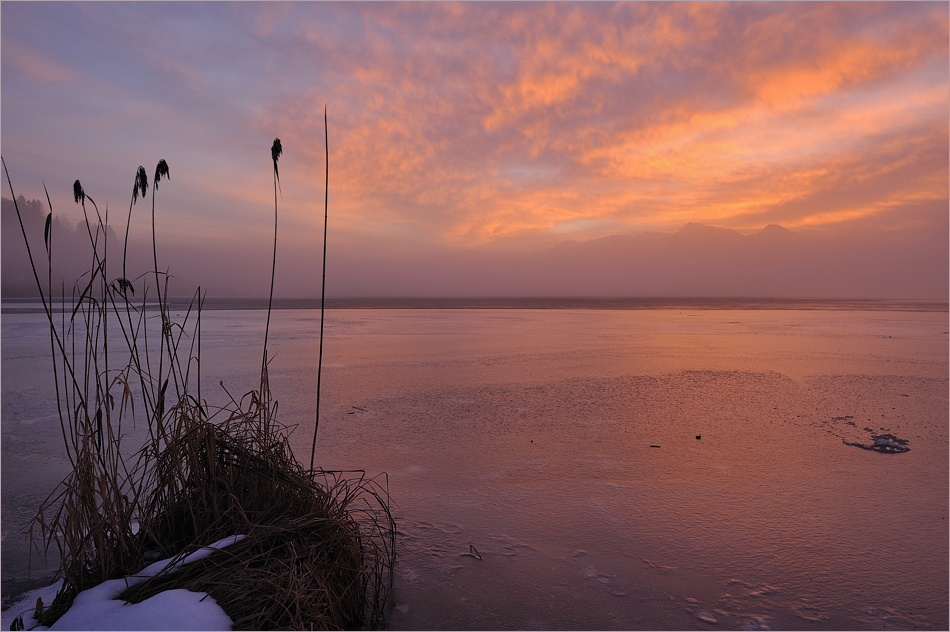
{"x":519,"y":450}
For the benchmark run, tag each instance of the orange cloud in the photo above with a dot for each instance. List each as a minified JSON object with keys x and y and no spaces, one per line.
{"x":775,"y":124}
{"x":477,"y":124}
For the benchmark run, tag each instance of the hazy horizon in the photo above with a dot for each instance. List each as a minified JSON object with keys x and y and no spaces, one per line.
{"x":696,"y":261}
{"x":502,"y":149}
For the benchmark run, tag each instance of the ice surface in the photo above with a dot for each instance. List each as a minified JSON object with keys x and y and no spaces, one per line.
{"x":526,"y":434}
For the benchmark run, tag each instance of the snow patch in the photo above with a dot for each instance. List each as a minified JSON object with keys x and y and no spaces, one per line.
{"x":98,"y":609}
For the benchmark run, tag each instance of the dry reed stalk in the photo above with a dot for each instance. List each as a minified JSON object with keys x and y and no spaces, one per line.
{"x":319,"y":546}
{"x":323,"y":284}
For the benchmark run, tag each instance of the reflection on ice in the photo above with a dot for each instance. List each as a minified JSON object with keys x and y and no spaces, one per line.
{"x":561,"y":447}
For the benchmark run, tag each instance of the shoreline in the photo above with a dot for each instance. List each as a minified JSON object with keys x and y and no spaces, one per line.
{"x":32,"y":305}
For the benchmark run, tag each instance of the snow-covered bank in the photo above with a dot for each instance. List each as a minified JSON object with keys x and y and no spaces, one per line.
{"x":98,"y":608}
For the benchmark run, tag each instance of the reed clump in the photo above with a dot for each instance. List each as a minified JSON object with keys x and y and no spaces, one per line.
{"x":310,"y":559}
{"x":317,"y":547}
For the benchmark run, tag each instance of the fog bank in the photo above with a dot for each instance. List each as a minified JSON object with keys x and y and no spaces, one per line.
{"x":695,"y":261}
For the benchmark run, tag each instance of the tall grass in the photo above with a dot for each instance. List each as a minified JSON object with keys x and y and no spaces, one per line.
{"x":319,"y":545}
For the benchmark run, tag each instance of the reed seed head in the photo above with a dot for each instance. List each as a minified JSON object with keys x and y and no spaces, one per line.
{"x":160,"y":171}
{"x":275,"y":151}
{"x":78,"y":193}
{"x":141,"y":183}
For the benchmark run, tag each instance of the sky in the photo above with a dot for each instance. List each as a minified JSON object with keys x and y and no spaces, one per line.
{"x":466,"y":141}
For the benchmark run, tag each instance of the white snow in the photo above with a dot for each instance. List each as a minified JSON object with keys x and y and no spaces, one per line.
{"x":98,"y":608}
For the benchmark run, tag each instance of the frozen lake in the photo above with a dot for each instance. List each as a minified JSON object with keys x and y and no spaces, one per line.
{"x":529,"y":435}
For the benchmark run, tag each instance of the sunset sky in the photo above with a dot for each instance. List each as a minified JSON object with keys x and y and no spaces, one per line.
{"x":483,"y":128}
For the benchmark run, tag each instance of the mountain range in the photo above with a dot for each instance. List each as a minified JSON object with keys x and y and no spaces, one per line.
{"x":695,"y":261}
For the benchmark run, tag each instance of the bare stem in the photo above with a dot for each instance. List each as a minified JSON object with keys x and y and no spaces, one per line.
{"x":270,"y":299}
{"x":323,"y":286}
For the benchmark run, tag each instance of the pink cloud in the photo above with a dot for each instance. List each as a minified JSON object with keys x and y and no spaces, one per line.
{"x":32,"y":64}
{"x":504,"y":125}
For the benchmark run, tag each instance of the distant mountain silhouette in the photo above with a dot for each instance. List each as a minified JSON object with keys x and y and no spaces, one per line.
{"x":774,"y":231}
{"x":701,"y":233}
{"x":701,"y":260}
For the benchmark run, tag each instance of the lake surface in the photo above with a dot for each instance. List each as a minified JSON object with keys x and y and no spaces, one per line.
{"x":529,"y":435}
